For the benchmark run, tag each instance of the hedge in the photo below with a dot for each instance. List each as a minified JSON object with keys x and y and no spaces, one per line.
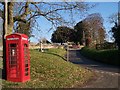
{"x":105,"y":56}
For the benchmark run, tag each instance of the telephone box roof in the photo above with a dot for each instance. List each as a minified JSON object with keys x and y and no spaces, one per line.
{"x":18,"y":34}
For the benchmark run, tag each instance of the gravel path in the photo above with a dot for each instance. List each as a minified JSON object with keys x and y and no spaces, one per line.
{"x":107,"y":76}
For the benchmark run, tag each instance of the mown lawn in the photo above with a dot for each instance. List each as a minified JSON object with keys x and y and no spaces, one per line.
{"x":50,"y":70}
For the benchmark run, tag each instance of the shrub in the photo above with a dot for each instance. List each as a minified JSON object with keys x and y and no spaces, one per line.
{"x":106,"y":56}
{"x":106,"y":45}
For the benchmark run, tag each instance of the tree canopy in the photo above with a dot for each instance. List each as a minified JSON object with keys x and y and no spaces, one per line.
{"x":115,"y":19}
{"x":63,"y":34}
{"x":116,"y":34}
{"x":91,"y":27}
{"x":89,"y":31}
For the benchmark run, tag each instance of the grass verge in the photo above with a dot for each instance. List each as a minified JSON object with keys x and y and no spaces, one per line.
{"x":49,"y":70}
{"x":106,"y":56}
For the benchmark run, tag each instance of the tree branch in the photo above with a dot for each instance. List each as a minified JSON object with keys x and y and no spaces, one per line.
{"x":26,"y":12}
{"x":1,"y":14}
{"x":35,"y":2}
{"x":59,"y":9}
{"x":18,"y":18}
{"x":22,"y":16}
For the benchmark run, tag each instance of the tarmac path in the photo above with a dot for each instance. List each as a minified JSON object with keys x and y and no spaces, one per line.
{"x":107,"y":76}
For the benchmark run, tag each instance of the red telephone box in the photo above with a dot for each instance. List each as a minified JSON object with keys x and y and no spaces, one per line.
{"x":17,"y":58}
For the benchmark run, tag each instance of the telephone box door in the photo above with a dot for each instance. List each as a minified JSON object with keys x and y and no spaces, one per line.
{"x":13,"y":60}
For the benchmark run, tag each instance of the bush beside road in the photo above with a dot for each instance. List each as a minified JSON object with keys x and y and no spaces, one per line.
{"x":105,"y":56}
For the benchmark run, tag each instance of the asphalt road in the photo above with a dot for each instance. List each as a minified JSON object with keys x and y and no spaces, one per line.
{"x":107,"y":76}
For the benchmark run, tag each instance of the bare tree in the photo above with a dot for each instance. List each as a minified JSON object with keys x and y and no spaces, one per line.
{"x":113,"y":18}
{"x":101,"y":35}
{"x":92,"y":28}
{"x":27,"y":11}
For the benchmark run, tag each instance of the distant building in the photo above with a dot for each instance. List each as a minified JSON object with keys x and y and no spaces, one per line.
{"x":32,"y":44}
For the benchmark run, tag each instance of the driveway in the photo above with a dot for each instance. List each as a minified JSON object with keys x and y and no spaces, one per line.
{"x":107,"y":76}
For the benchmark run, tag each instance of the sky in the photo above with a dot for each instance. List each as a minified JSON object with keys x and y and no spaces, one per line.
{"x":61,"y":0}
{"x":106,"y":9}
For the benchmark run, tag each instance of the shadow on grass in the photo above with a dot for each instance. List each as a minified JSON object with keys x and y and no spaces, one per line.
{"x":77,"y":58}
{"x":46,"y":51}
{"x":1,"y":73}
{"x":55,"y":55}
{"x":2,"y":76}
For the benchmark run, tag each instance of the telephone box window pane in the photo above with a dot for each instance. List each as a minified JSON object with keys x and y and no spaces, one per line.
{"x":13,"y":55}
{"x":26,"y":59}
{"x":13,"y":62}
{"x":26,"y":74}
{"x":13,"y":45}
{"x":26,"y":69}
{"x":26,"y":65}
{"x":26,"y":62}
{"x":25,"y":45}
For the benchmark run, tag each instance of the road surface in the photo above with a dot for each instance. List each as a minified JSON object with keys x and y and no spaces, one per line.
{"x":107,"y":75}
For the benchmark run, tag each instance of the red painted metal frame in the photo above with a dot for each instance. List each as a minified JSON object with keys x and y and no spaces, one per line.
{"x":17,"y":72}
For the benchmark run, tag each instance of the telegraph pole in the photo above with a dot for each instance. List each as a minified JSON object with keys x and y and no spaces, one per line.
{"x":41,"y":45}
{"x":4,"y":38}
{"x":67,"y":51}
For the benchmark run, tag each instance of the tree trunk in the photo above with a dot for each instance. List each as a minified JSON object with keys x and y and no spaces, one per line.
{"x":7,"y":29}
{"x":10,"y":18}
